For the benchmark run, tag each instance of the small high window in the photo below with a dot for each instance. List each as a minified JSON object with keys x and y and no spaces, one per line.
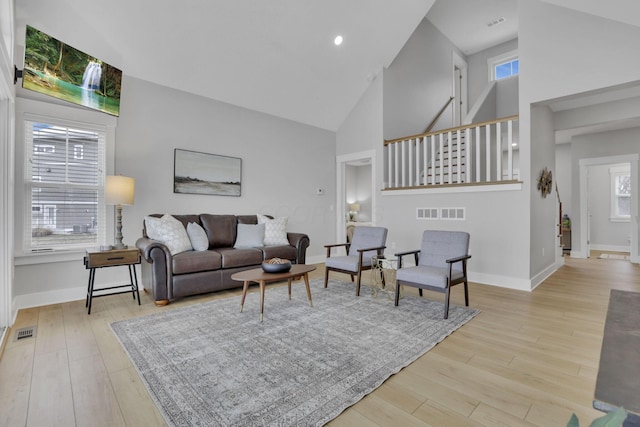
{"x":504,"y":66}
{"x":507,"y":69}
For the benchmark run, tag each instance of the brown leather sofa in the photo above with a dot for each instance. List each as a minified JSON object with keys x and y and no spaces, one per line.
{"x":169,"y":277}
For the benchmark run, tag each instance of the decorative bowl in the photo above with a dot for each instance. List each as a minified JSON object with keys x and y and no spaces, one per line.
{"x":276,"y":265}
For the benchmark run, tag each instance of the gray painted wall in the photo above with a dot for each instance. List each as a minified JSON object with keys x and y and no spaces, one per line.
{"x":419,"y":83}
{"x":283,"y":163}
{"x":478,"y":76}
{"x":622,"y":142}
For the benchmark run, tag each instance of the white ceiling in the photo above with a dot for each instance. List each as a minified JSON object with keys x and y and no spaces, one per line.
{"x":275,"y":56}
{"x":470,"y":31}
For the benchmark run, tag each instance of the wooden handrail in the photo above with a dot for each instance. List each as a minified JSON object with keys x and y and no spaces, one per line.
{"x":469,"y":126}
{"x":433,"y":122}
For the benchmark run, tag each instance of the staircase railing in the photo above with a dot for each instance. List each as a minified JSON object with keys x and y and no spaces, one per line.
{"x":435,"y":119}
{"x":479,"y":153}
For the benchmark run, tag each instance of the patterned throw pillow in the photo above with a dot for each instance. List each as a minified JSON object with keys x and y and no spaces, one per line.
{"x":250,"y":236}
{"x":168,"y":231}
{"x":198,"y":237}
{"x":275,"y":232}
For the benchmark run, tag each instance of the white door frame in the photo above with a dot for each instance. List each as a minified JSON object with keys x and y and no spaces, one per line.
{"x":459,"y":105}
{"x":632,"y":159}
{"x":341,"y":190}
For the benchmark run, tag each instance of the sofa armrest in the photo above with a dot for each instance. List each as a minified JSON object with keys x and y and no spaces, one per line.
{"x":301,"y":242}
{"x":157,"y":273}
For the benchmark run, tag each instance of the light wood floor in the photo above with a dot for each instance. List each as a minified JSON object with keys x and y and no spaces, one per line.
{"x":526,"y":359}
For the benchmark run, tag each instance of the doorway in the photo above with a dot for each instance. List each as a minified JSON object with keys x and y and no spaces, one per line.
{"x":587,"y":167}
{"x":355,"y":186}
{"x":459,"y":90}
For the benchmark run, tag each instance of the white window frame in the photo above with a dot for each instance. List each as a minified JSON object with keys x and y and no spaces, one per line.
{"x":48,"y":210}
{"x":498,"y":60}
{"x":76,"y":118}
{"x":614,"y":172}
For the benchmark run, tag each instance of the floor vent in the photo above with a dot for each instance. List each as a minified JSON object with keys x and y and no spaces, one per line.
{"x":25,"y":333}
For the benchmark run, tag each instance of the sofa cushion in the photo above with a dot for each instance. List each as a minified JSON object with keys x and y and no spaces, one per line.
{"x":168,"y":231}
{"x":198,"y":237}
{"x":240,"y":257}
{"x":194,"y":261}
{"x":249,"y":236}
{"x":275,"y":232}
{"x":221,"y":229}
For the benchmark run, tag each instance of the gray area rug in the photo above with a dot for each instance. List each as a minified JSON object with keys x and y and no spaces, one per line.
{"x":210,"y":365}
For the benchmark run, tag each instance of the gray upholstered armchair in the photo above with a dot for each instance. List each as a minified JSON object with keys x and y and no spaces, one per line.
{"x":440,"y":264}
{"x":367,"y":242}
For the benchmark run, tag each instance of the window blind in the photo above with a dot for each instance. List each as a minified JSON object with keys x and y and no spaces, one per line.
{"x":64,"y":176}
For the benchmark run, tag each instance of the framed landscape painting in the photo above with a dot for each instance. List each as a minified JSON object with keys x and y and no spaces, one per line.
{"x":202,"y":173}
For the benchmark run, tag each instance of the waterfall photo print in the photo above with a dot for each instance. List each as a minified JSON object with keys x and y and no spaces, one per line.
{"x":56,"y":69}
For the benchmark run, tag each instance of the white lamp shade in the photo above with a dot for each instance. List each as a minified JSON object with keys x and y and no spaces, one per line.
{"x":119,"y":190}
{"x":354,"y":207}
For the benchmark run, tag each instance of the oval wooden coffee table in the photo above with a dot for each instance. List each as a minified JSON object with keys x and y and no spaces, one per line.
{"x":258,"y":275}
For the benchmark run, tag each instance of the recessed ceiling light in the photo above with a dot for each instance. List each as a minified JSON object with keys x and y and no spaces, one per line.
{"x":337,"y":41}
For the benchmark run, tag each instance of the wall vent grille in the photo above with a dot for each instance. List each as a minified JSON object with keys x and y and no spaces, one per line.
{"x":427,"y":213}
{"x":24,"y":333}
{"x":453,"y":214}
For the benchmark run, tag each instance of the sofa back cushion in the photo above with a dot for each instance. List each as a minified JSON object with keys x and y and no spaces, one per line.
{"x":221,"y":229}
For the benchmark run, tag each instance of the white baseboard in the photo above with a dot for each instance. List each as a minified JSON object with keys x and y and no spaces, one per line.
{"x":611,"y":248}
{"x":318,"y":259}
{"x":501,"y":281}
{"x":50,"y":297}
{"x":543,"y":275}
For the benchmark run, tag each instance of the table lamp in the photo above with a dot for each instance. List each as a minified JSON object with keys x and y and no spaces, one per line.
{"x":118,"y":191}
{"x":354,"y":208}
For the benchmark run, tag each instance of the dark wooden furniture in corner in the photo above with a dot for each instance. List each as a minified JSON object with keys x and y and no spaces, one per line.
{"x":118,"y":257}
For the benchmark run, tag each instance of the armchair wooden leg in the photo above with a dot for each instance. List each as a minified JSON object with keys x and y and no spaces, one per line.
{"x":326,"y":276}
{"x":358,"y":283}
{"x":420,"y":291}
{"x":446,"y":302}
{"x":466,"y":293}
{"x":397,"y":293}
{"x":161,"y":303}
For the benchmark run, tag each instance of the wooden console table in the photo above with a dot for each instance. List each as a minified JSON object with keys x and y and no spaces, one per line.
{"x":113,"y":258}
{"x":618,"y":382}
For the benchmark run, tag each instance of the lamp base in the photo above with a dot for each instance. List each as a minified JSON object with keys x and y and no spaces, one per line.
{"x":120,"y":246}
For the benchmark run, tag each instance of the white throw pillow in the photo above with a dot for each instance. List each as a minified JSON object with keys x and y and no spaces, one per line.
{"x":250,"y":236}
{"x":275,"y":231}
{"x":168,"y":231}
{"x":198,"y":237}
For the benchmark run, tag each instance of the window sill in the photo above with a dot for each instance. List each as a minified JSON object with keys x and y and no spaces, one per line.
{"x":49,"y":257}
{"x":619,"y":219}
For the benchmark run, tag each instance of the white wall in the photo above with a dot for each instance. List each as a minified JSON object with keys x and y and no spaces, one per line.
{"x":415,"y":85}
{"x":418,"y":83}
{"x":283,"y":164}
{"x":605,"y":234}
{"x":600,"y":145}
{"x":570,"y":52}
{"x":478,"y":69}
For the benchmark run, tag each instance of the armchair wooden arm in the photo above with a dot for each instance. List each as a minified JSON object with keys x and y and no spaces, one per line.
{"x":415,"y":253}
{"x":337,"y":245}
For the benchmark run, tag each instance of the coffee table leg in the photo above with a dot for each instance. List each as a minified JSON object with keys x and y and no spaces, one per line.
{"x":306,"y":283}
{"x":289,"y":284}
{"x":262,"y":286}
{"x":244,"y":294}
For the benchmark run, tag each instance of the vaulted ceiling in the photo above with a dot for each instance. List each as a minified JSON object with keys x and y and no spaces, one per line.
{"x":275,"y":56}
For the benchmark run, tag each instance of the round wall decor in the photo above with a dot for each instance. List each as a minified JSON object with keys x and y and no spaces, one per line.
{"x":544,"y":182}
